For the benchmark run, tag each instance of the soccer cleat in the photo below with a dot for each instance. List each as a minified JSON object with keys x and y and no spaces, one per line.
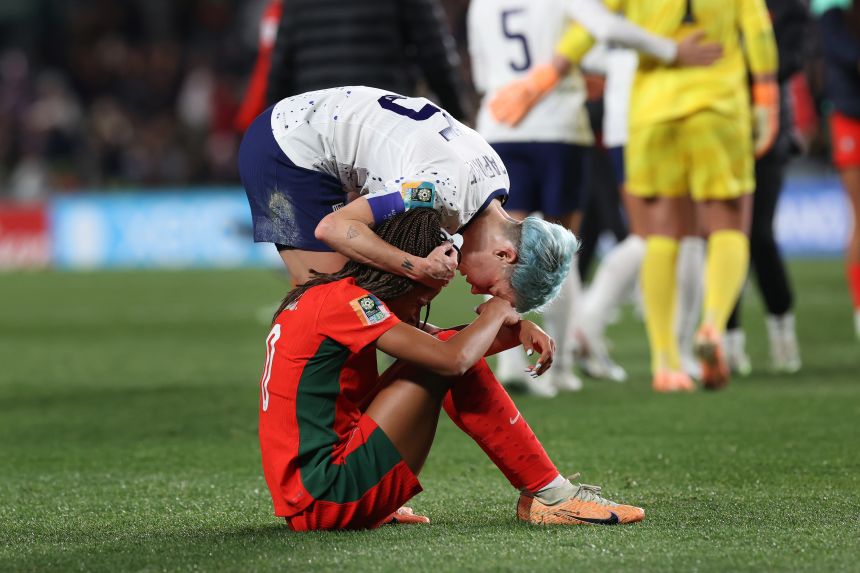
{"x":584,"y":506}
{"x":736,"y":354}
{"x":672,"y":381}
{"x":593,"y":359}
{"x":784,"y":350}
{"x":709,"y":350}
{"x":563,"y":380}
{"x":405,"y":516}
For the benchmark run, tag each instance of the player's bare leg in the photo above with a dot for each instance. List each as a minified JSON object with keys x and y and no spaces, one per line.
{"x":851,"y":182}
{"x":299,"y":263}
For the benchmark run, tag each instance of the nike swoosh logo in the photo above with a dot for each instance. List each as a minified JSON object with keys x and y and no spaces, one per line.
{"x":611,"y":520}
{"x":514,"y":419}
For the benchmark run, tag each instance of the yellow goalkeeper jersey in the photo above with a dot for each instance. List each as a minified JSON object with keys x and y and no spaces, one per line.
{"x":663,"y":92}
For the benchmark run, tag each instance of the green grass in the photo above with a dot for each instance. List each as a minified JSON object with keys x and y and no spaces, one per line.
{"x":128,"y":442}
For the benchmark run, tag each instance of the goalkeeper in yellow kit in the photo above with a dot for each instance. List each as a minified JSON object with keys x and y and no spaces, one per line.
{"x":691,"y":134}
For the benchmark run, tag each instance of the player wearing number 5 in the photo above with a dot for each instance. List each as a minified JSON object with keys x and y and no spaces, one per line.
{"x":322,"y":168}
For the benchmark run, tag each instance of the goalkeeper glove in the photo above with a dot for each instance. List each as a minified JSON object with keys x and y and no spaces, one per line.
{"x":513,"y":101}
{"x":765,"y":96}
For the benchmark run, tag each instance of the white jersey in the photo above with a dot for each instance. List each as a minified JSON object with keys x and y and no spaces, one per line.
{"x":377,"y":142}
{"x":507,"y":38}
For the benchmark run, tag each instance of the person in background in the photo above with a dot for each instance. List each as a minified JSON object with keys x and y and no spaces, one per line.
{"x":547,"y":155}
{"x":839,"y":21}
{"x":377,"y":43}
{"x":790,"y":21}
{"x":254,"y":101}
{"x":691,"y":136}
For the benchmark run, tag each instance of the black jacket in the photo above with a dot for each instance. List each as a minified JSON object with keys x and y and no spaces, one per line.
{"x":840,"y":38}
{"x":387,"y":44}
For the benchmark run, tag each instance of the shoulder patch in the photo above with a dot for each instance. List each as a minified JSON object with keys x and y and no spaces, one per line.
{"x":369,"y":309}
{"x":418,"y":194}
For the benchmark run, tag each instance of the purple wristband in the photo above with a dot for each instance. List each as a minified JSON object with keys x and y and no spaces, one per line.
{"x":386,"y":205}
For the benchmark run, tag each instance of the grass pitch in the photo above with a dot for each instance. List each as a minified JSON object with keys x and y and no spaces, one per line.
{"x":128,"y":443}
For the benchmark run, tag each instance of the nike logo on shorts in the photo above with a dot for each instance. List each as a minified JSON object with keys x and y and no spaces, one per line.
{"x":514,"y":419}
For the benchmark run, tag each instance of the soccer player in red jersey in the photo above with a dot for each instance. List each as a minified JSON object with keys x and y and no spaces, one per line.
{"x":342,"y":446}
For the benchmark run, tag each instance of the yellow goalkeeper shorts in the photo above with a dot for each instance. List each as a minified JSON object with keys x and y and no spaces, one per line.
{"x":706,"y":155}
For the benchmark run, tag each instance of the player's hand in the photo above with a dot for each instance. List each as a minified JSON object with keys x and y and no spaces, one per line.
{"x":438,"y":268}
{"x":693,"y":52}
{"x":765,"y":97}
{"x":512,"y":102}
{"x":509,"y":314}
{"x":533,"y":338}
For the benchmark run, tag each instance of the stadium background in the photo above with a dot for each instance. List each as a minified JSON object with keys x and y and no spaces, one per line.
{"x":132,"y":314}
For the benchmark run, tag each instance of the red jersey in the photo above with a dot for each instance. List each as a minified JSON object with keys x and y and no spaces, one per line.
{"x":320,"y":365}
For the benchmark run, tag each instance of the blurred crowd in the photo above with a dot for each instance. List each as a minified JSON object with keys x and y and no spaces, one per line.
{"x":99,"y":94}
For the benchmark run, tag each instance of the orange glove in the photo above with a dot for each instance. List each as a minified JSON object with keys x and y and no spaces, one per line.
{"x":765,"y":97}
{"x":512,"y":102}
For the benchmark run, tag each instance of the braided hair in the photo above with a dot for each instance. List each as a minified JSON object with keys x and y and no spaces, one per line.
{"x":416,"y":231}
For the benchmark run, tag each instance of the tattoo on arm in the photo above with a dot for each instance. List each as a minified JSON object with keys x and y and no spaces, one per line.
{"x":407,"y":264}
{"x":351,"y":232}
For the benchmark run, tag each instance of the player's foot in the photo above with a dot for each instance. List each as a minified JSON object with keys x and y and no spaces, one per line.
{"x":784,"y":350}
{"x":712,"y":357}
{"x":593,"y":359}
{"x":563,"y":379}
{"x":575,"y":504}
{"x":405,"y":516}
{"x":736,"y":353}
{"x":672,"y":381}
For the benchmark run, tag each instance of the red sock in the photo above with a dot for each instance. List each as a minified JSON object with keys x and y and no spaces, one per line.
{"x":481,"y":407}
{"x":853,"y":272}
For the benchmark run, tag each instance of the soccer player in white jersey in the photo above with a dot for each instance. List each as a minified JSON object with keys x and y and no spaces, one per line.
{"x":320,"y":169}
{"x":546,"y":155}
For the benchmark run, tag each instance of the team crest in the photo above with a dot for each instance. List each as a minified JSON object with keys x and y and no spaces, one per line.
{"x":418,"y":194}
{"x":369,"y":309}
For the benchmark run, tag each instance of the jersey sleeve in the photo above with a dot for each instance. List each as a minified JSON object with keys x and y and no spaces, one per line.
{"x":603,"y":24}
{"x":353,"y":317}
{"x":758,"y":37}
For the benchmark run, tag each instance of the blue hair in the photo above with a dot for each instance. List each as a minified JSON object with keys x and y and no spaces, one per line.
{"x":544,"y":258}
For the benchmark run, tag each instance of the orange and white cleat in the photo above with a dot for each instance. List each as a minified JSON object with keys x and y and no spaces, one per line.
{"x":709,"y":350}
{"x":584,"y":506}
{"x":672,"y":381}
{"x":405,"y":516}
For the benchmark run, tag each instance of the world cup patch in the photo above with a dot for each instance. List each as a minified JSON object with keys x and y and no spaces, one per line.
{"x":418,"y":194}
{"x":369,"y":309}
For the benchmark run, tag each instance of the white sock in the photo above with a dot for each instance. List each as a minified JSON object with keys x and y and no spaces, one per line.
{"x":558,"y":490}
{"x":690,"y":272}
{"x":557,"y":317}
{"x":615,"y":278}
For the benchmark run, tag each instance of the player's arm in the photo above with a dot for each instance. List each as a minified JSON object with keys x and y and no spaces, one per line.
{"x":532,"y":338}
{"x":454,"y":356}
{"x":762,"y":57}
{"x":595,"y":22}
{"x":349,"y":232}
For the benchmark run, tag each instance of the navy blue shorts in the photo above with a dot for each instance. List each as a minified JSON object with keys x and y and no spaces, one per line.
{"x":546,"y":177}
{"x":287,"y":201}
{"x":616,"y":156}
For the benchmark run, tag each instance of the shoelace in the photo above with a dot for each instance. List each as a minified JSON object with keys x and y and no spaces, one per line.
{"x":587,"y":492}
